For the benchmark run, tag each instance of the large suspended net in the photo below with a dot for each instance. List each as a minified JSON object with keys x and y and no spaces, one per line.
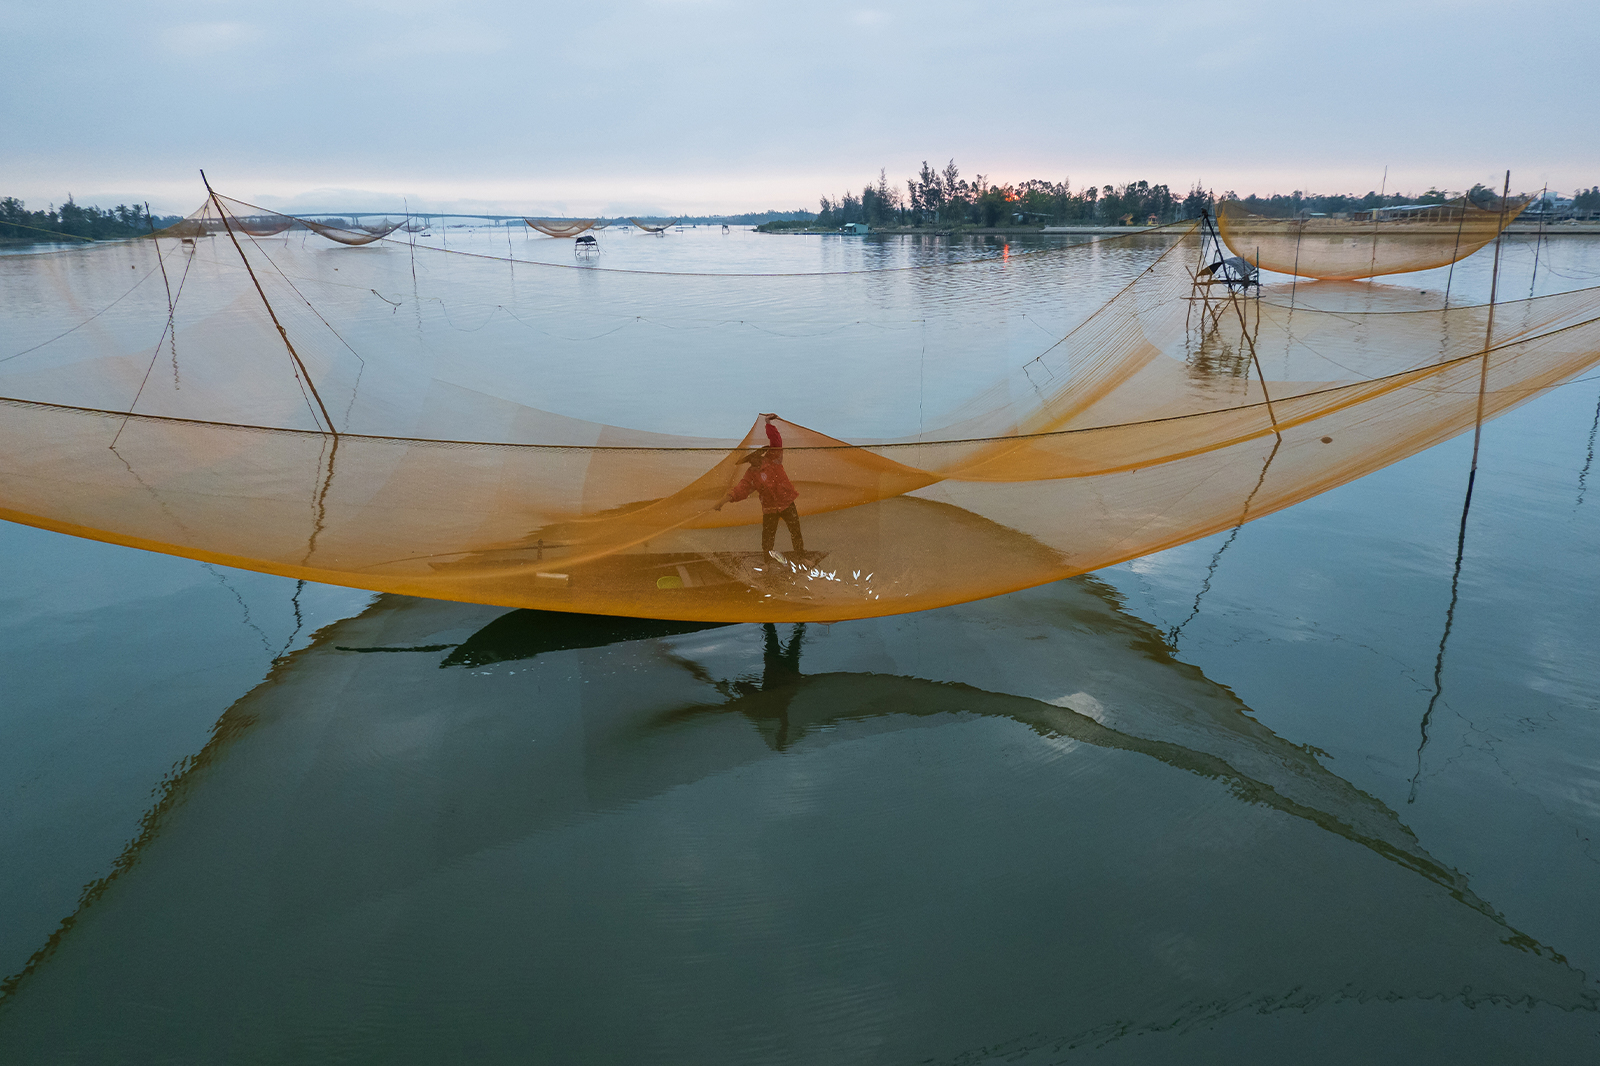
{"x":563,"y":227}
{"x":314,"y":412}
{"x":1388,"y":241}
{"x":653,"y":227}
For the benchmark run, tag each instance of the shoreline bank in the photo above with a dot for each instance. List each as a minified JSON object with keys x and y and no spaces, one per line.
{"x":1516,"y":229}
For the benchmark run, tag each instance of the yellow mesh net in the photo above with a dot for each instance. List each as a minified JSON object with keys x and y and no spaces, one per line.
{"x":218,"y":409}
{"x":560,"y":227}
{"x":1392,"y":241}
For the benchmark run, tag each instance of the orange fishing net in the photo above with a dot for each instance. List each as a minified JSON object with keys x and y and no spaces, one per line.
{"x":1392,"y":241}
{"x":255,"y":404}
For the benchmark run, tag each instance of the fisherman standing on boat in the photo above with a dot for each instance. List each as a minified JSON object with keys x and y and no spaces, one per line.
{"x":768,"y":480}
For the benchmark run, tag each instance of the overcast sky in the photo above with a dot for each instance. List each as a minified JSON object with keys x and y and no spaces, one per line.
{"x":719,"y":105}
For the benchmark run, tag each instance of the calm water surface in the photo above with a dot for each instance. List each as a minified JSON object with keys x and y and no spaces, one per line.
{"x":1302,"y":792}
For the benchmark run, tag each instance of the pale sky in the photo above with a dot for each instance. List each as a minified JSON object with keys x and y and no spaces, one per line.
{"x":699,"y":106}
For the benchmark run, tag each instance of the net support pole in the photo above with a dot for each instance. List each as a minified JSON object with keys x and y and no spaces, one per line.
{"x":172,"y":312}
{"x":1488,"y":337}
{"x":1538,"y":241}
{"x":1460,"y":225}
{"x":172,"y":309}
{"x":1244,"y":328}
{"x":1265,"y":395}
{"x":315,"y":395}
{"x":1372,"y":267}
{"x":1294,"y":282}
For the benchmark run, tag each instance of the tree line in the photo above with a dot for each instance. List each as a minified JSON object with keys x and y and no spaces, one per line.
{"x":73,"y":220}
{"x":942,"y":197}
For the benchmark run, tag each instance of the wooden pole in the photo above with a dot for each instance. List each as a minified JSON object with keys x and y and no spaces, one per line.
{"x":268,"y":304}
{"x":1488,"y":338}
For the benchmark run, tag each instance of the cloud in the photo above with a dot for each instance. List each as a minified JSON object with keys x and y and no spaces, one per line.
{"x":190,"y":37}
{"x":675,"y":105}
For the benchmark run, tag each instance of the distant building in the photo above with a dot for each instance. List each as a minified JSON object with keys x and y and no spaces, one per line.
{"x":854,"y":229}
{"x":1550,"y":207}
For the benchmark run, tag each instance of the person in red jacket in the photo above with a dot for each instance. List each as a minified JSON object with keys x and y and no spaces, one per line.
{"x":768,"y":480}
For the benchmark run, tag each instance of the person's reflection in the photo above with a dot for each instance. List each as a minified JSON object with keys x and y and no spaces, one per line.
{"x":780,"y":677}
{"x":766,"y":702}
{"x":780,"y":664}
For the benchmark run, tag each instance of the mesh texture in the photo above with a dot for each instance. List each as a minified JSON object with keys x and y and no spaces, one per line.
{"x":239,"y":404}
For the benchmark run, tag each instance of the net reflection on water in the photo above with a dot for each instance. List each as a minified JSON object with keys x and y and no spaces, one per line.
{"x":534,"y":829}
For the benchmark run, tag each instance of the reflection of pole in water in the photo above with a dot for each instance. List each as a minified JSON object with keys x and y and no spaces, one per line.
{"x":411,"y":234}
{"x":319,"y":507}
{"x":299,"y":619}
{"x":1466,"y":505}
{"x":243,"y":606}
{"x":1244,"y":516}
{"x":1588,"y":460}
{"x":1449,"y":623}
{"x":1205,"y":587}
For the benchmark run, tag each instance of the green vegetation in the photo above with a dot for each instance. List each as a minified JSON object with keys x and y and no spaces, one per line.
{"x":70,"y":220}
{"x":1297,"y":202}
{"x":788,"y":225}
{"x":944,"y":198}
{"x":749,"y":218}
{"x":752,"y":218}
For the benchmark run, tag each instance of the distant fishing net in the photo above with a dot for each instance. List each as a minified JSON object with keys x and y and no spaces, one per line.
{"x":1345,"y":249}
{"x":253,"y":221}
{"x":563,"y":227}
{"x":269,"y":405}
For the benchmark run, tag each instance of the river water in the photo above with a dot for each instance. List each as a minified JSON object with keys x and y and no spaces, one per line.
{"x":1310,"y":790}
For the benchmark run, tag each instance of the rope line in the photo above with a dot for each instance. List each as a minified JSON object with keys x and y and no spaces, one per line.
{"x":1419,"y":373}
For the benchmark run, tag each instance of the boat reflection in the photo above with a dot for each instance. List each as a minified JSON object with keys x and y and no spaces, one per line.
{"x":522,"y":634}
